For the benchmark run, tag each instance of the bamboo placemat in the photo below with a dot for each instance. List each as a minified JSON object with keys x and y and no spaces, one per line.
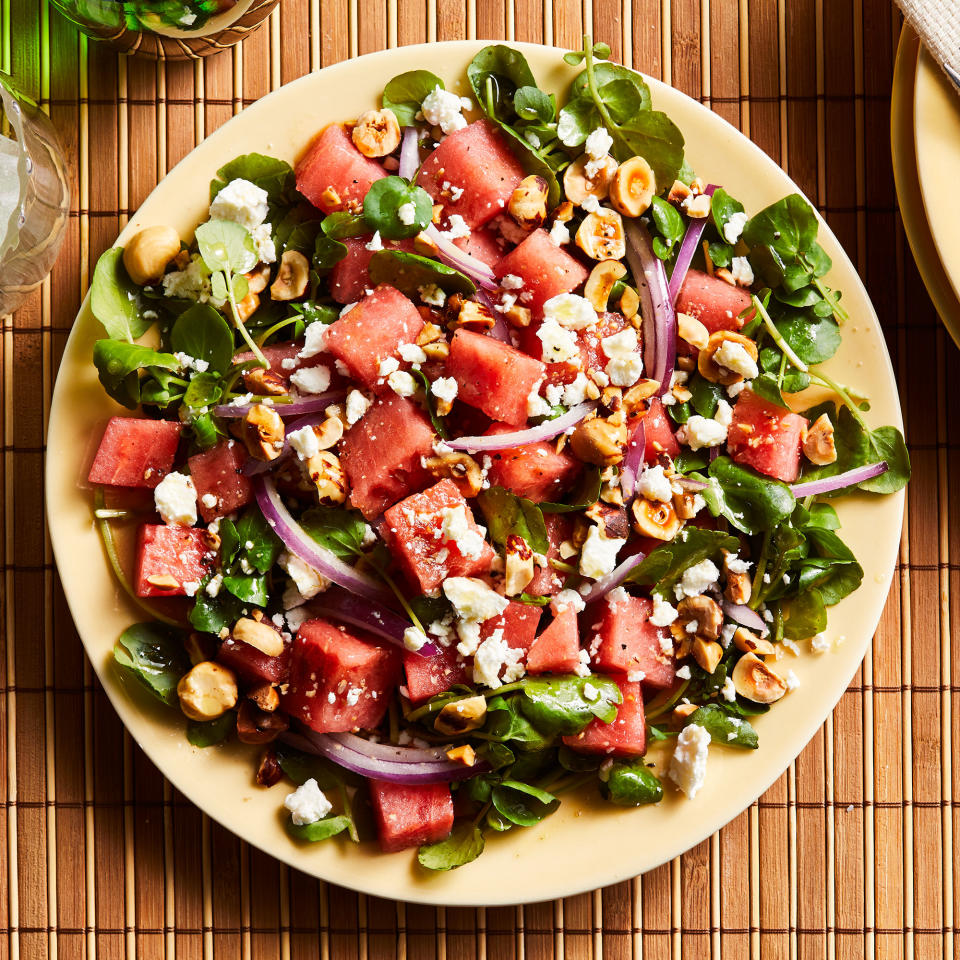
{"x":849,"y":854}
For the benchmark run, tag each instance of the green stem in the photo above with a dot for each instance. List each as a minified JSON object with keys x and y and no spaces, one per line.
{"x":783,"y":370}
{"x":658,"y":709}
{"x":778,"y":337}
{"x":407,"y":609}
{"x":429,"y":708}
{"x":841,"y":392}
{"x":756,"y":588}
{"x":263,"y":338}
{"x":348,"y":812}
{"x":839,"y":313}
{"x":592,"y":85}
{"x":106,"y":514}
{"x":238,"y":323}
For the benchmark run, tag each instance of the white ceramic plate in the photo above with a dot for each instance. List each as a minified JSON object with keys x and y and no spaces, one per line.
{"x":588,"y":843}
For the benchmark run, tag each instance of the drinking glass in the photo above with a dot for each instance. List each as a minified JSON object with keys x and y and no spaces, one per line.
{"x":34,"y":195}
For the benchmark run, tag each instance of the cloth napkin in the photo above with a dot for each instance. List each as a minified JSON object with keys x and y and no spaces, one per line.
{"x":938,"y":23}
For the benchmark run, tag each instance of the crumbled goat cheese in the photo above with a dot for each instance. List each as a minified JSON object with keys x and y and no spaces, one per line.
{"x":737,"y":565}
{"x":456,"y":528}
{"x":443,"y":109}
{"x":734,"y":357}
{"x":305,"y":442}
{"x":559,"y":233}
{"x":387,"y":366}
{"x":175,"y":497}
{"x":699,"y":432}
{"x":512,"y":282}
{"x":296,"y":618}
{"x":357,"y":406}
{"x":190,"y":284}
{"x":654,"y":484}
{"x":582,"y":669}
{"x":473,"y":602}
{"x":432,"y":295}
{"x":696,"y":579}
{"x":314,"y":341}
{"x":242,"y":202}
{"x":407,"y":212}
{"x":684,"y":672}
{"x":414,"y":638}
{"x":570,"y":311}
{"x":192,"y":363}
{"x":791,"y":680}
{"x":402,"y":383}
{"x":353,"y":696}
{"x":625,"y":365}
{"x":741,"y":271}
{"x":688,"y":765}
{"x":444,"y":388}
{"x":590,"y":203}
{"x":734,"y":227}
{"x":728,"y":690}
{"x":598,"y":144}
{"x":819,"y":643}
{"x":209,"y":500}
{"x":559,"y":343}
{"x":724,"y":413}
{"x":494,"y":655}
{"x":598,"y":556}
{"x":311,"y":379}
{"x":309,"y":582}
{"x":577,"y":390}
{"x":262,"y":237}
{"x":536,"y":405}
{"x":214,"y":584}
{"x":456,"y":228}
{"x":375,"y":243}
{"x":735,"y":389}
{"x":567,"y":598}
{"x":664,"y":613}
{"x":411,"y":353}
{"x":307,"y":804}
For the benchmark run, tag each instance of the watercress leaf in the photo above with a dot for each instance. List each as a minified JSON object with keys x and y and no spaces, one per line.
{"x":505,"y":723}
{"x":690,"y":460}
{"x":327,"y":252}
{"x":218,"y":286}
{"x":664,"y":565}
{"x":655,"y":734}
{"x":463,"y":845}
{"x":721,"y":254}
{"x":154,"y":654}
{"x":668,"y":222}
{"x":404,"y":94}
{"x":118,"y":363}
{"x":631,"y":784}
{"x":509,"y":515}
{"x":301,"y":767}
{"x":509,"y":71}
{"x":202,"y":333}
{"x":804,"y":615}
{"x":730,"y":731}
{"x":225,"y":245}
{"x":408,"y":272}
{"x":706,"y":396}
{"x":796,"y":276}
{"x":206,"y":733}
{"x":574,"y":57}
{"x":887,"y":443}
{"x":680,"y":412}
{"x":260,"y":544}
{"x":822,"y":515}
{"x":766,"y":386}
{"x":837,"y":574}
{"x":382,"y":203}
{"x":496,"y":754}
{"x":722,"y":208}
{"x":788,"y":227}
{"x":240,"y":286}
{"x":577,"y":762}
{"x":607,"y":73}
{"x":531,"y":103}
{"x":115,"y":298}
{"x":532,"y":163}
{"x":622,"y":98}
{"x":561,"y":704}
{"x":601,"y":50}
{"x":211,"y":614}
{"x":318,"y":830}
{"x":340,"y":531}
{"x":229,"y":541}
{"x":749,"y":501}
{"x":522,"y":803}
{"x":312,"y":312}
{"x":340,"y":224}
{"x":652,"y":135}
{"x":248,"y":588}
{"x":578,"y":119}
{"x":585,"y":496}
{"x":204,"y":390}
{"x":800,"y":298}
{"x":817,"y":259}
{"x":436,"y":420}
{"x":270,"y":174}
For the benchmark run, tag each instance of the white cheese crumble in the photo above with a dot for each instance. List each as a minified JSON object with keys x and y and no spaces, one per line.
{"x":375,"y":243}
{"x":407,"y":212}
{"x":567,"y":598}
{"x":684,"y":672}
{"x":444,"y":388}
{"x":411,"y":353}
{"x":387,"y":366}
{"x":314,"y":341}
{"x":559,"y":343}
{"x":456,"y":228}
{"x":414,"y":638}
{"x":699,"y":432}
{"x":311,"y":379}
{"x":357,"y":406}
{"x":242,"y":202}
{"x":473,"y":602}
{"x":494,"y":655}
{"x":402,"y":383}
{"x":741,"y":271}
{"x":307,"y":804}
{"x":512,"y":282}
{"x":193,"y":283}
{"x":654,"y":484}
{"x":582,"y":669}
{"x":734,"y":357}
{"x":696,"y":579}
{"x":209,"y":500}
{"x":577,"y":390}
{"x":819,"y":643}
{"x":598,"y":144}
{"x":559,"y":233}
{"x":456,"y":528}
{"x":733,"y":228}
{"x":625,"y":365}
{"x":304,"y":441}
{"x":688,"y":765}
{"x":309,"y":582}
{"x":590,"y":203}
{"x":262,"y":237}
{"x":598,"y":556}
{"x":443,"y":109}
{"x":728,"y":690}
{"x":175,"y":497}
{"x":432,"y":295}
{"x":664,"y":613}
{"x":570,"y":311}
{"x":791,"y":680}
{"x":192,"y":363}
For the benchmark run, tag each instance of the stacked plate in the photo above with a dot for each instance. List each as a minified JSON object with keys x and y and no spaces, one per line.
{"x":925,"y":131}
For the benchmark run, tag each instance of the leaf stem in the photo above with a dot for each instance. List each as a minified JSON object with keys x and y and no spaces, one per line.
{"x":841,"y":392}
{"x":238,"y":323}
{"x":592,"y":85}
{"x":839,"y":313}
{"x":778,"y":337}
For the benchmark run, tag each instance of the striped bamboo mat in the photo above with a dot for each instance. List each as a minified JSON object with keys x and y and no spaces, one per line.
{"x":850,"y":854}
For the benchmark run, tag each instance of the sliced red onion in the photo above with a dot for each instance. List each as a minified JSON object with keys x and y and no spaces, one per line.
{"x":613,"y":580}
{"x":299,"y":542}
{"x":373,"y":618}
{"x":688,"y":249}
{"x":659,"y":317}
{"x":453,"y":256}
{"x":546,"y":431}
{"x":848,"y":479}
{"x":633,"y":462}
{"x":409,"y":155}
{"x":500,"y":330}
{"x":391,"y":751}
{"x":687,"y":483}
{"x":742,"y":614}
{"x":297,"y":408}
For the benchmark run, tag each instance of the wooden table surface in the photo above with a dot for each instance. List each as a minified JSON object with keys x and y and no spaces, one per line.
{"x":850,"y":854}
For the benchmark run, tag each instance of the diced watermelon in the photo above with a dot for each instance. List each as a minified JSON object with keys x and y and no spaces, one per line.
{"x":412,"y":531}
{"x":170,"y":551}
{"x":624,"y":641}
{"x":218,"y":472}
{"x":408,"y":816}
{"x":546,"y":580}
{"x":483,"y":244}
{"x":658,"y":433}
{"x":340,"y":679}
{"x":477,"y":161}
{"x":371,"y":332}
{"x":589,"y":343}
{"x":766,"y":437}
{"x":382,"y":454}
{"x":625,"y":737}
{"x":518,"y":623}
{"x":332,"y":162}
{"x":545,"y":268}
{"x":428,"y":676}
{"x":492,"y":375}
{"x":715,"y":303}
{"x":557,"y":649}
{"x":349,"y":276}
{"x":251,"y":665}
{"x":535,"y":470}
{"x":135,"y":452}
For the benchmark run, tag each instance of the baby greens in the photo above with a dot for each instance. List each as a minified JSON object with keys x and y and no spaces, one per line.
{"x":404,"y":94}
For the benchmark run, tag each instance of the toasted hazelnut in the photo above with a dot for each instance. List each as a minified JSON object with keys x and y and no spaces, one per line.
{"x":269,"y":772}
{"x":747,"y":641}
{"x":655,"y":519}
{"x":429,"y":333}
{"x":437,"y":214}
{"x":330,"y":197}
{"x":329,"y":432}
{"x":259,"y":635}
{"x":265,"y":697}
{"x":630,"y":304}
{"x":612,"y":398}
{"x":464,"y":754}
{"x":264,"y":383}
{"x":207,"y":691}
{"x":438,"y":350}
{"x":563,"y":213}
{"x":611,"y":519}
{"x":461,"y":716}
{"x":698,"y":207}
{"x":518,"y":568}
{"x":691,"y":330}
{"x":292,"y":277}
{"x":578,"y":186}
{"x":377,"y":133}
{"x":149,"y":252}
{"x":685,"y":504}
{"x":707,"y":653}
{"x":753,"y":679}
{"x":599,"y":441}
{"x":248,"y":306}
{"x":328,"y":477}
{"x":739,"y":587}
{"x":678,"y":193}
{"x":600,"y":236}
{"x":528,"y":202}
{"x":474,"y":315}
{"x":259,"y":726}
{"x":818,"y":444}
{"x":425,"y":245}
{"x":633,"y":187}
{"x":710,"y":370}
{"x":601,"y":282}
{"x":634,"y":400}
{"x":706,"y":613}
{"x":263,"y":432}
{"x":518,"y":316}
{"x":461,"y":468}
{"x":683,"y":710}
{"x":163,"y":581}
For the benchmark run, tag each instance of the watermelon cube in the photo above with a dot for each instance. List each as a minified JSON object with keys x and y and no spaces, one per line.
{"x":535,"y":470}
{"x":518,"y":622}
{"x":371,"y":332}
{"x":493,"y":376}
{"x":218,"y":473}
{"x":135,"y":452}
{"x":414,"y":531}
{"x":658,"y":433}
{"x":714,"y":302}
{"x":428,"y":676}
{"x":484,"y":244}
{"x":557,"y":649}
{"x":333,"y":174}
{"x":382,"y":454}
{"x":171,"y":560}
{"x":253,"y":666}
{"x":546,"y":580}
{"x":766,"y":437}
{"x":625,"y":737}
{"x":477,"y":163}
{"x":340,"y":679}
{"x":545,"y":268}
{"x":350,"y":276}
{"x":408,"y":816}
{"x":624,"y":641}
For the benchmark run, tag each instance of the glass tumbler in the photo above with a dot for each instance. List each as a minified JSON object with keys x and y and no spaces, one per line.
{"x":34,"y":195}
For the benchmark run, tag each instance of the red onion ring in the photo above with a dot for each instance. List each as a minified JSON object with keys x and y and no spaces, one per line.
{"x":299,"y":406}
{"x":633,"y":462}
{"x":688,"y":249}
{"x":745,"y":616}
{"x":500,"y":330}
{"x":390,"y":751}
{"x":848,"y":479}
{"x":453,"y":256}
{"x":546,"y":431}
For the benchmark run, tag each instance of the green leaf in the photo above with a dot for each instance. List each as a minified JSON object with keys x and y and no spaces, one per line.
{"x":587,"y":494}
{"x":509,"y":515}
{"x":115,"y":298}
{"x":383,"y":201}
{"x":437,"y":421}
{"x":750,"y":501}
{"x":248,"y":588}
{"x":805,"y":615}
{"x":669,"y":223}
{"x":212,"y":614}
{"x":154,"y":654}
{"x":722,"y":208}
{"x":607,"y":73}
{"x":408,"y":272}
{"x":508,"y":71}
{"x":706,"y":396}
{"x":260,"y":544}
{"x":531,"y":103}
{"x":788,"y":227}
{"x":225,"y":246}
{"x":404,"y":94}
{"x":340,"y":225}
{"x":723,"y":728}
{"x":205,"y":389}
{"x":463,"y":845}
{"x":664,"y":566}
{"x":301,"y":767}
{"x":577,"y":762}
{"x":887,"y":443}
{"x":229,"y":541}
{"x":522,"y":803}
{"x":834,"y":571}
{"x":505,"y":723}
{"x":631,"y":784}
{"x":652,"y":135}
{"x":340,"y":531}
{"x":210,"y":732}
{"x":268,"y":173}
{"x":813,"y":341}
{"x":202,"y":333}
{"x":533,"y":164}
{"x":318,"y":830}
{"x":118,"y":364}
{"x":578,"y":119}
{"x":566,"y":704}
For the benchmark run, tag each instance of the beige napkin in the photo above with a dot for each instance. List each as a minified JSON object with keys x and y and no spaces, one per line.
{"x":938,"y":23}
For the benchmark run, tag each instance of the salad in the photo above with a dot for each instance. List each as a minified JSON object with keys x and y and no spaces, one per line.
{"x":472,"y":460}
